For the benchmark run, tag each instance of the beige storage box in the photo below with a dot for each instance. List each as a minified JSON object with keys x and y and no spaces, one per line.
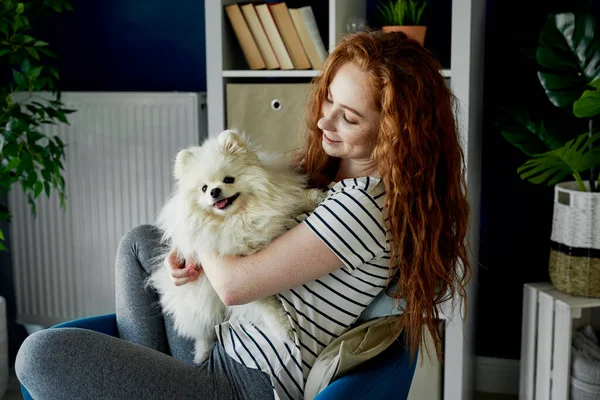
{"x":270,"y":114}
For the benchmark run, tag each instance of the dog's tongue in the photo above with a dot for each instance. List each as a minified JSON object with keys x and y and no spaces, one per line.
{"x":221,"y":203}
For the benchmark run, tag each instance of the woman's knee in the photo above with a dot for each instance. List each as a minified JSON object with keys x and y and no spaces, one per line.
{"x":40,"y":354}
{"x":142,"y":242}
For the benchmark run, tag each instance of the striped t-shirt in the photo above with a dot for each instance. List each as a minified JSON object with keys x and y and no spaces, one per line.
{"x":350,"y":221}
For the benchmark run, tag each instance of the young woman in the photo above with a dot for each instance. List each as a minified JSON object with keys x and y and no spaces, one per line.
{"x":382,"y":138}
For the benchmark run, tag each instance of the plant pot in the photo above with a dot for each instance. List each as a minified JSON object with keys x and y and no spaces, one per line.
{"x":575,"y":241}
{"x":416,"y":32}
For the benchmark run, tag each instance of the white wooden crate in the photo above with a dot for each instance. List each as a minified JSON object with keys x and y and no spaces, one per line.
{"x":549,"y":319}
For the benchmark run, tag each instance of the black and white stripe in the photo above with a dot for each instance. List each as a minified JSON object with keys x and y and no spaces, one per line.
{"x":350,"y":222}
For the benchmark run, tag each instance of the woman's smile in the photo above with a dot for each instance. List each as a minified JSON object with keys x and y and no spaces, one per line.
{"x":329,"y":140}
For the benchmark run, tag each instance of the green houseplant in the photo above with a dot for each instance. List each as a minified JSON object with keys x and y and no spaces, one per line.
{"x":404,"y":16}
{"x":568,"y":45}
{"x":29,"y":156}
{"x":567,"y":56}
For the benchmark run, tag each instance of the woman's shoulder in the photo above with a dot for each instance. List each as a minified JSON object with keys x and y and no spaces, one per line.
{"x":367,"y":184}
{"x":368,"y":187}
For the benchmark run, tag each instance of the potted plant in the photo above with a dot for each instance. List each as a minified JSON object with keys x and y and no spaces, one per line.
{"x":29,"y":102}
{"x":404,"y":16}
{"x":568,"y":45}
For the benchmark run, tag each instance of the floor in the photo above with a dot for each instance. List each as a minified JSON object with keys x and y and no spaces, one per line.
{"x":14,"y":390}
{"x":14,"y":393}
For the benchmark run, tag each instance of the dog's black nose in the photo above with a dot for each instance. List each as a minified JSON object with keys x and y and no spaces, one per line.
{"x":215,"y":193}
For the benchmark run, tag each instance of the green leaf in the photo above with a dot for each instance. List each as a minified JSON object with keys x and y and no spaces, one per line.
{"x":33,"y":52}
{"x":48,"y":52}
{"x":54,"y":72}
{"x":26,"y":160}
{"x":32,"y":178}
{"x":40,"y":43}
{"x":31,"y":202}
{"x":588,"y":105}
{"x":554,"y":166}
{"x":4,"y":52}
{"x":38,"y":189}
{"x":595,"y":83}
{"x":35,"y":72}
{"x":46,"y":174}
{"x":568,"y":54}
{"x":20,"y":79}
{"x":12,"y":164}
{"x":2,"y":246}
{"x":25,"y":21}
{"x":61,"y":117}
{"x":40,"y":84}
{"x":529,"y":133}
{"x":1,"y":235}
{"x":25,"y":66}
{"x":47,"y":188}
{"x":20,"y":8}
{"x":17,"y":24}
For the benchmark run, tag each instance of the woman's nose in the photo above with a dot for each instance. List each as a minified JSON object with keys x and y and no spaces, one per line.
{"x":325,"y":124}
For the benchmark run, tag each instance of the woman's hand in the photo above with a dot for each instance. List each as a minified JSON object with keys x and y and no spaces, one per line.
{"x":185,"y":271}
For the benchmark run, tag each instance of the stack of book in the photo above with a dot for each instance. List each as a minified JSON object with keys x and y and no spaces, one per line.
{"x":273,"y":36}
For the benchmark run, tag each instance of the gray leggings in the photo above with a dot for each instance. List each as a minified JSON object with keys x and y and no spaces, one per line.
{"x":149,"y":361}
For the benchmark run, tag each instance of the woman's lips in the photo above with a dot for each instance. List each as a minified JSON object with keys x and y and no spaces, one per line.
{"x":329,"y":140}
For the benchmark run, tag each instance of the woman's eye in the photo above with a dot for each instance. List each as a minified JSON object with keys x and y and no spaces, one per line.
{"x":204,"y":188}
{"x":228,"y":179}
{"x":348,"y":121}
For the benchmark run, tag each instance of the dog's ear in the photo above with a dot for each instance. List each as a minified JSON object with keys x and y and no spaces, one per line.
{"x":181,"y":162}
{"x":232,"y":142}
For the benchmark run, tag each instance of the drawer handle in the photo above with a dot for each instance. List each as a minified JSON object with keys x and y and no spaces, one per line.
{"x":276,"y":105}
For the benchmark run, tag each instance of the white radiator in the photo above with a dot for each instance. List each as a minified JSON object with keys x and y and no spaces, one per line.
{"x":118,"y":172}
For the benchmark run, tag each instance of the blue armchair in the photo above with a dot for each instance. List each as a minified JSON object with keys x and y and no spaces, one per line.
{"x":388,"y":375}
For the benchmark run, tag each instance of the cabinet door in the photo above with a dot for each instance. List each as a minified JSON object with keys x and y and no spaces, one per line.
{"x":273,"y":115}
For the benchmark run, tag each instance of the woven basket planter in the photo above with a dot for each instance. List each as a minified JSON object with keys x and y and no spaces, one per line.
{"x":575,"y":241}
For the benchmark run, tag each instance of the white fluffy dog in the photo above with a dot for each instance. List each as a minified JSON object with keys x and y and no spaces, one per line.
{"x":234,"y":200}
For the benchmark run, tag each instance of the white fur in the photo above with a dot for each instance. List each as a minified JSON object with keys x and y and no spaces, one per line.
{"x":270,"y":195}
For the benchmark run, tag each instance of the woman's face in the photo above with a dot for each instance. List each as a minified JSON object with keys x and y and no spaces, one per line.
{"x":350,"y":118}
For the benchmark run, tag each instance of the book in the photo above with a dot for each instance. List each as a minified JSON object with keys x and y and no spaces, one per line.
{"x":290,"y":37}
{"x":308,"y":31}
{"x":268,"y":23}
{"x":260,"y":36}
{"x":245,"y":38}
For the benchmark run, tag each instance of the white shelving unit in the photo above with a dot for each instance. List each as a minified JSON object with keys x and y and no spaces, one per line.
{"x":243,"y":73}
{"x":225,"y":64}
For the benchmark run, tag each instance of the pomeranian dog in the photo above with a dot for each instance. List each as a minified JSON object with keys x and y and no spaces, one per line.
{"x":233,"y":199}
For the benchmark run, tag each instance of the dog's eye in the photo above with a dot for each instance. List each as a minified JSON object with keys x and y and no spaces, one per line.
{"x":228,"y":179}
{"x":204,"y":188}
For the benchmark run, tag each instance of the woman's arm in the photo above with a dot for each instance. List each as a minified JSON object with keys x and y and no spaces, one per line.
{"x":296,"y":257}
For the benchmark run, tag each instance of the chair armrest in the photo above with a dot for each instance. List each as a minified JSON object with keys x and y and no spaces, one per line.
{"x":106,"y":324}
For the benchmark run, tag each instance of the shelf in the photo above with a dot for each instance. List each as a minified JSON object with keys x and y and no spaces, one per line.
{"x":270,"y":73}
{"x":285,"y":74}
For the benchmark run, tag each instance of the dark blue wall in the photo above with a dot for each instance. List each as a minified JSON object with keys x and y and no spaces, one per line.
{"x":131,"y":45}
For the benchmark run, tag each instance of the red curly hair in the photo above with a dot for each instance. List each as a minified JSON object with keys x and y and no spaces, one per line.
{"x":421,"y":164}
